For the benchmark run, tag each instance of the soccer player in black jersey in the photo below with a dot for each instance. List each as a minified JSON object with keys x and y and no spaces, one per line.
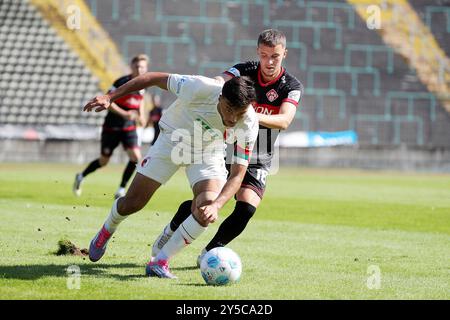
{"x":120,"y":127}
{"x":278,"y":96}
{"x":154,"y":117}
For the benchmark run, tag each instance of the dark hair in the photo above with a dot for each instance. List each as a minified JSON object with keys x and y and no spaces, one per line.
{"x":272,"y":38}
{"x":240,"y":92}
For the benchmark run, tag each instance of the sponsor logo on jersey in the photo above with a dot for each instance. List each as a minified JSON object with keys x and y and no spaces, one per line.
{"x":272,"y":95}
{"x":180,"y":83}
{"x":266,"y":109}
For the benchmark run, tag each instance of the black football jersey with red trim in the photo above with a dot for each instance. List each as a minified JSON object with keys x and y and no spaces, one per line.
{"x":132,"y":101}
{"x":269,"y":97}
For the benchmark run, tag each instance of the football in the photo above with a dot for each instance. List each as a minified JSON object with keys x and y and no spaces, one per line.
{"x":221,"y":266}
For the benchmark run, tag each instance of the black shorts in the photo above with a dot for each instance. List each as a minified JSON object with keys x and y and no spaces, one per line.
{"x":255,"y":178}
{"x":111,"y":139}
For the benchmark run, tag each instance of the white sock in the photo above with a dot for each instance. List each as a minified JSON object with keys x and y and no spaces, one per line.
{"x":168,"y":230}
{"x":114,"y":218}
{"x":186,"y":233}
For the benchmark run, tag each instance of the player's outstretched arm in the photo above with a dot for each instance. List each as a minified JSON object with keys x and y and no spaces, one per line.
{"x":279,"y":121}
{"x":231,"y":187}
{"x":148,"y":79}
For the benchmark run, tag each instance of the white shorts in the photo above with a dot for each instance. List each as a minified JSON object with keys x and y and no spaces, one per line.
{"x":159,"y":166}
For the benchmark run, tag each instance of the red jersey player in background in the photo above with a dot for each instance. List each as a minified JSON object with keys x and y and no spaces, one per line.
{"x":154,"y":117}
{"x":120,"y":125}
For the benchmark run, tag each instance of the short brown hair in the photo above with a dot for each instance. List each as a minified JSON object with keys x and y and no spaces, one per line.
{"x":140,"y":57}
{"x":272,"y":38}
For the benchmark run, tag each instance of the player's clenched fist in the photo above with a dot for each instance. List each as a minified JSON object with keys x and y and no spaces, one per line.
{"x":99,"y":103}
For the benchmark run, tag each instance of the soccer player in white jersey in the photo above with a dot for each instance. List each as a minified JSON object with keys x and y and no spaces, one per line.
{"x":192,"y":135}
{"x":278,"y":95}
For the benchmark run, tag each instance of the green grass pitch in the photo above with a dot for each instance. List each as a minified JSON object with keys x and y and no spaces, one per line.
{"x":318,"y":234}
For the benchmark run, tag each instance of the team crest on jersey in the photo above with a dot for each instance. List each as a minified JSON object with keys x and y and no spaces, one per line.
{"x":272,"y":95}
{"x":145,"y":162}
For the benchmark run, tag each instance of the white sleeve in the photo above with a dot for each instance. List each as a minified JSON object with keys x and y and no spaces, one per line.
{"x":245,"y":137}
{"x":186,"y":87}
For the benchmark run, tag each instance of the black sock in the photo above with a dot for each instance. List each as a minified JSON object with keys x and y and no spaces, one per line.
{"x":184,"y":211}
{"x":94,"y":165}
{"x":233,"y":225}
{"x":127,"y":173}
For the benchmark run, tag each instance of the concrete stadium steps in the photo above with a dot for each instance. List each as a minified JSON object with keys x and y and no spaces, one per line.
{"x":347,"y":69}
{"x":352,"y":78}
{"x":403,"y":29}
{"x":41,"y":80}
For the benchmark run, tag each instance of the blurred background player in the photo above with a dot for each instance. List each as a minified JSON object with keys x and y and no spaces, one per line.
{"x":278,"y":94}
{"x":154,"y":117}
{"x":120,"y":126}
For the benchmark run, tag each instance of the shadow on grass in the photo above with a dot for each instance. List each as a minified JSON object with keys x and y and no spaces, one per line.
{"x":36,"y":271}
{"x":193,"y":284}
{"x":184,"y":268}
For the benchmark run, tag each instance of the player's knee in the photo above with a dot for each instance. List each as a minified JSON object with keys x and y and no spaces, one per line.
{"x":103,"y":160}
{"x":134,"y":158}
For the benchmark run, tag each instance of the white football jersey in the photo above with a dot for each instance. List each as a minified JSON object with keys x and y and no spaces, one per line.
{"x":194,"y":114}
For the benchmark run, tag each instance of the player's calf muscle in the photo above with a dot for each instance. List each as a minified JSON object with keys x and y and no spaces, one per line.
{"x":127,"y":206}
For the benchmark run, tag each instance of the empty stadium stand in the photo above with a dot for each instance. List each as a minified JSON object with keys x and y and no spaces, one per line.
{"x":436,"y":15}
{"x":353,"y":80}
{"x":42,"y":82}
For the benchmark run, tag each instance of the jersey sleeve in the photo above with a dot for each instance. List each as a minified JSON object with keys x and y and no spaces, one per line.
{"x":294,"y":93}
{"x":186,"y":87}
{"x":245,"y":137}
{"x":242,"y":69}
